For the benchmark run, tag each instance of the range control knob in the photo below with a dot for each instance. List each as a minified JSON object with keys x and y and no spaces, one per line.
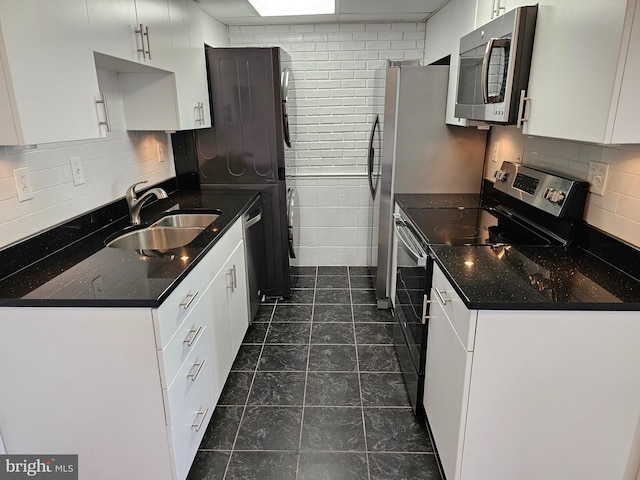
{"x":554,"y":196}
{"x":501,"y":175}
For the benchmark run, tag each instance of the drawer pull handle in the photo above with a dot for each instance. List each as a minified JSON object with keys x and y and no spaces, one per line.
{"x":192,"y":335}
{"x":188,"y":300}
{"x":193,"y":375}
{"x":442,"y":300}
{"x":198,"y":424}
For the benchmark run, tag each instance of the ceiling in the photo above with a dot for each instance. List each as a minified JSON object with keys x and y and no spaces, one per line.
{"x":240,"y":12}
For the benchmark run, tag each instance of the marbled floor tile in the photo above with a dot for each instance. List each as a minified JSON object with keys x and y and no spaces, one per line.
{"x":292,"y":332}
{"x":292,"y":313}
{"x":256,"y":333}
{"x":371,"y":313}
{"x":333,"y":296}
{"x":332,"y":429}
{"x":335,"y":358}
{"x":303,"y":270}
{"x":332,"y":466}
{"x":374,"y":333}
{"x":361,"y":282}
{"x":247,"y":358}
{"x":395,"y":430}
{"x":333,"y":281}
{"x":378,"y":358}
{"x":277,"y":388}
{"x":236,"y":388}
{"x":363,"y":297}
{"x":222,"y":429}
{"x":332,"y":333}
{"x":264,"y":313}
{"x":384,"y":390}
{"x":403,"y":466}
{"x":332,"y":389}
{"x":303,"y":281}
{"x":332,"y":313}
{"x":262,"y":466}
{"x":277,"y":358}
{"x":270,"y":428}
{"x":332,"y":270}
{"x":299,"y":296}
{"x":209,"y":466}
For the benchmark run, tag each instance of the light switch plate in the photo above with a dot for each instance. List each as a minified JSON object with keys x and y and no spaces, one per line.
{"x":23,"y":183}
{"x":76,"y":170}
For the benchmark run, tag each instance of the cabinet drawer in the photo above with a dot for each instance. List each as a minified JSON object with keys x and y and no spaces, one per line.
{"x":462,"y":319}
{"x":190,"y":404}
{"x":177,"y":306}
{"x":171,"y":357}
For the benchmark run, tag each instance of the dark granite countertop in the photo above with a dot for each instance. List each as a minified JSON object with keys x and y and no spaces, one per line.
{"x":439,"y":200}
{"x":87,"y":273}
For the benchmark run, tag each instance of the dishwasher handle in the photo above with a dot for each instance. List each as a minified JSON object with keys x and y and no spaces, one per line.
{"x":410,"y":243}
{"x":250,"y":222}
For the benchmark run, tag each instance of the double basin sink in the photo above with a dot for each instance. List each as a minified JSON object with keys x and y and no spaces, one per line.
{"x":173,"y":230}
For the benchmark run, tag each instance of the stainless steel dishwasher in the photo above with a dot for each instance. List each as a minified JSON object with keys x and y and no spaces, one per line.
{"x":255,"y":249}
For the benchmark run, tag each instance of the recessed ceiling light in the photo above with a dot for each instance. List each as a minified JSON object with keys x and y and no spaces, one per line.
{"x":278,"y":8}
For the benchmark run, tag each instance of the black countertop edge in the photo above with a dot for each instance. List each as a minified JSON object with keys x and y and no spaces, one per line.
{"x":45,"y":266}
{"x":564,"y":307}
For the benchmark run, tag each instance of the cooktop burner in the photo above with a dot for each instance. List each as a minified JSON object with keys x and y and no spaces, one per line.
{"x":473,"y":226}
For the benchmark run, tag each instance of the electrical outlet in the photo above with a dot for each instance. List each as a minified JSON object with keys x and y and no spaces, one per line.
{"x":76,"y":170}
{"x":160,"y":152}
{"x":597,"y":177}
{"x":23,"y":183}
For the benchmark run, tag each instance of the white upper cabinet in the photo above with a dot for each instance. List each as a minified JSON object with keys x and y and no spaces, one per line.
{"x":134,"y":30}
{"x":585,"y":72}
{"x":49,"y":85}
{"x":190,"y":65}
{"x":443,"y":34}
{"x":487,"y":10}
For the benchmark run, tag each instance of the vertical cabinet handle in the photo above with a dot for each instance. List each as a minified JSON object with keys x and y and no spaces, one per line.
{"x":230,"y":279}
{"x":188,"y":300}
{"x":199,"y":113}
{"x":521,"y":117}
{"x":441,"y":299}
{"x":195,"y":370}
{"x":202,"y":414}
{"x":144,"y":32}
{"x":102,"y":100}
{"x":234,"y":277}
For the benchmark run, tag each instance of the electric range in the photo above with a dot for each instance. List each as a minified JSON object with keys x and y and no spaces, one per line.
{"x":525,"y":206}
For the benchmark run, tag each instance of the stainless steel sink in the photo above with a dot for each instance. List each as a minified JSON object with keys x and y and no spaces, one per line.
{"x":156,"y":238}
{"x":182,"y":220}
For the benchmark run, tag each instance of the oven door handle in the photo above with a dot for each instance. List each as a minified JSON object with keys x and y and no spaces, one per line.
{"x":411,"y":245}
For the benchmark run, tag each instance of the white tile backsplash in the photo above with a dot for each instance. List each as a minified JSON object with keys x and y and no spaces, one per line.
{"x":110,"y":165}
{"x":617,"y":212}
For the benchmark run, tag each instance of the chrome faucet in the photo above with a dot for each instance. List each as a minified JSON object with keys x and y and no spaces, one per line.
{"x":135,"y":203}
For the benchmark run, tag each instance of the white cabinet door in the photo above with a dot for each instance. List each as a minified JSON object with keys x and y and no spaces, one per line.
{"x":153,"y":15}
{"x":189,"y":65}
{"x":585,"y":72}
{"x":487,"y":10}
{"x":238,"y":298}
{"x":49,"y":84}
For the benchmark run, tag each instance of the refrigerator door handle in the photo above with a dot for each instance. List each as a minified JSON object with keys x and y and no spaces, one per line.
{"x":371,"y":153}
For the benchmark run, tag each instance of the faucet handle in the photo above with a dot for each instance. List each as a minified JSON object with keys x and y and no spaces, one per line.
{"x":131,"y":191}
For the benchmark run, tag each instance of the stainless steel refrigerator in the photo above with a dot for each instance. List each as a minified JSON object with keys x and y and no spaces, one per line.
{"x":244,"y":148}
{"x":420,"y":153}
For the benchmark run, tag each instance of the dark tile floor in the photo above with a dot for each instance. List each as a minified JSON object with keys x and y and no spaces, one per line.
{"x":316,"y":393}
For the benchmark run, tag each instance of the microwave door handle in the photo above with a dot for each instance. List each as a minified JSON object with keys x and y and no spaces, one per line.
{"x":419,"y":257}
{"x":485,"y":70}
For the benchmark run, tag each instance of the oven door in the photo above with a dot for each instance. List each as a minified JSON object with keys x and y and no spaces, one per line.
{"x":413,"y":281}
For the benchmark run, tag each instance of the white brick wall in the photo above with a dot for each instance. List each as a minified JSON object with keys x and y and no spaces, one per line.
{"x":338,"y":86}
{"x":110,"y":165}
{"x":617,"y":212}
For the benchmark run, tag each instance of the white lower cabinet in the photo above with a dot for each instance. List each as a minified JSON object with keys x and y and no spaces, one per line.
{"x":130,"y":390}
{"x":532,"y":394}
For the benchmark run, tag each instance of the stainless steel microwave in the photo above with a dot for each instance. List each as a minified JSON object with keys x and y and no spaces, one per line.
{"x":494,"y":67}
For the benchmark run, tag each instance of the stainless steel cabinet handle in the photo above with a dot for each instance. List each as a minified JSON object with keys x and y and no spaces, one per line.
{"x":107,"y":121}
{"x":140,"y":31}
{"x":442,"y":300}
{"x":234,"y":277}
{"x":192,"y":335}
{"x":229,"y":275}
{"x":198,"y":424}
{"x":146,"y":34}
{"x":193,"y":374}
{"x":188,"y":300}
{"x":521,"y":117}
